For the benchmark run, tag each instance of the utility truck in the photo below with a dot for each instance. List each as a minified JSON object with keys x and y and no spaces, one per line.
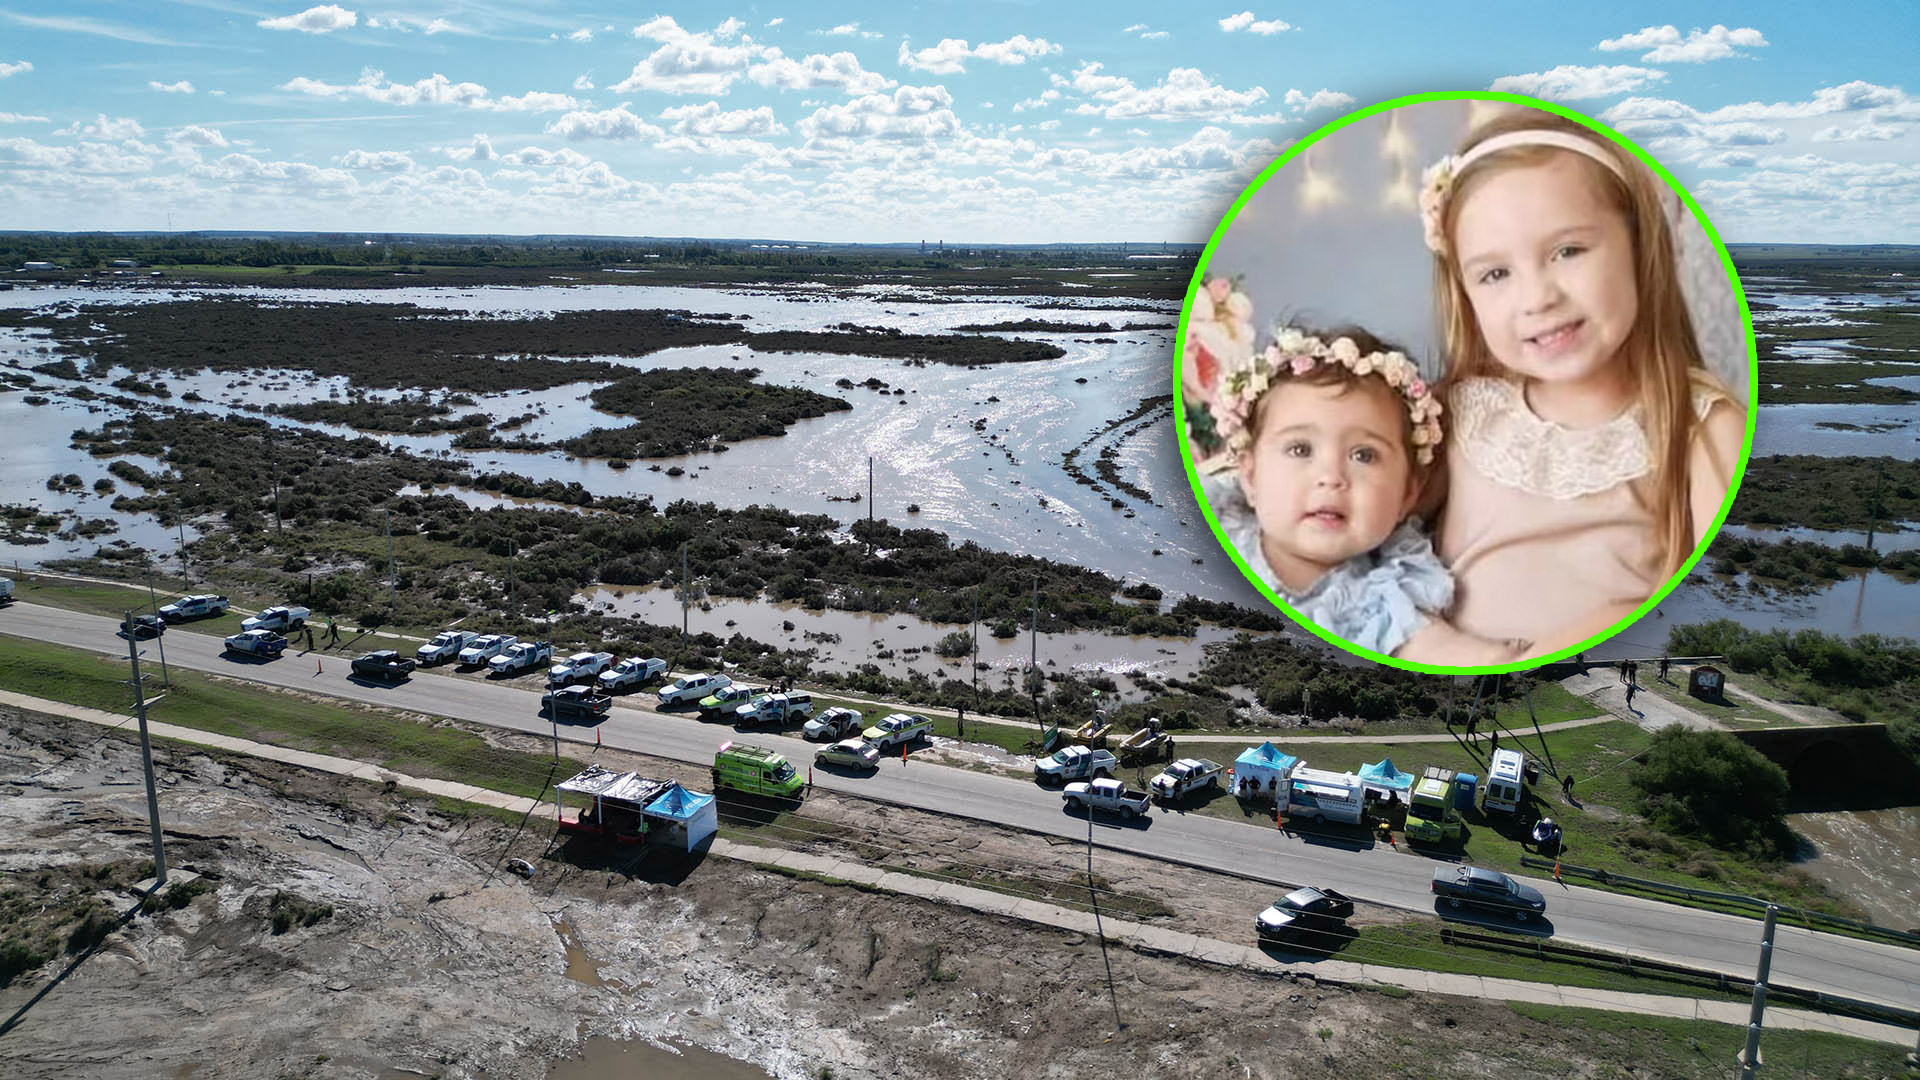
{"x":1111,"y":796}
{"x":1431,"y":817}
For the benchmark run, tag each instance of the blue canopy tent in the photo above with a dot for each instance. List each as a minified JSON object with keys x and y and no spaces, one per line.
{"x":1263,"y":768}
{"x":689,"y":817}
{"x":1383,"y":778}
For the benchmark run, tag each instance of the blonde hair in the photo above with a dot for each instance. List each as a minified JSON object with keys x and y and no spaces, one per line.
{"x":1663,"y":357}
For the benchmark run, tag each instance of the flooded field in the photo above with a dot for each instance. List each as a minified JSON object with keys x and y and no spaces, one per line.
{"x":1868,"y":856}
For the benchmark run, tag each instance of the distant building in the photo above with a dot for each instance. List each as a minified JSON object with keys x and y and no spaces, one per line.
{"x":126,"y":264}
{"x":38,"y":264}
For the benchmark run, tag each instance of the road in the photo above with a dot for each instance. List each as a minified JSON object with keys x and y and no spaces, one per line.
{"x":1826,"y":962}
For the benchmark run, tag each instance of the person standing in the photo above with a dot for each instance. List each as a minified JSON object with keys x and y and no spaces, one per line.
{"x":960,"y":721}
{"x":1631,"y":687}
{"x":1663,"y":668}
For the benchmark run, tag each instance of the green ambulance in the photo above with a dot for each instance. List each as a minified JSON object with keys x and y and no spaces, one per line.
{"x":755,"y":770}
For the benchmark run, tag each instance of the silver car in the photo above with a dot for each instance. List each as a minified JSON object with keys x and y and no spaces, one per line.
{"x":849,"y":753}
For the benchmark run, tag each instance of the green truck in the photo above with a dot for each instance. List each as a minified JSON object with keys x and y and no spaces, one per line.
{"x":1431,"y":817}
{"x":755,"y":770}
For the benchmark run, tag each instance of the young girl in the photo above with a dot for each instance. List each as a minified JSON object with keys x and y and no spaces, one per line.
{"x":1330,"y":442}
{"x":1590,"y":446}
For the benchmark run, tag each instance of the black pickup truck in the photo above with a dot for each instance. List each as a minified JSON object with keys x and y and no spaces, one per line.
{"x":385,"y":665}
{"x":576,"y":704}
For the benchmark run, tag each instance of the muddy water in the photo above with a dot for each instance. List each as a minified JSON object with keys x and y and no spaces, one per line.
{"x":1868,"y":856}
{"x":845,"y":640}
{"x":617,"y":1059}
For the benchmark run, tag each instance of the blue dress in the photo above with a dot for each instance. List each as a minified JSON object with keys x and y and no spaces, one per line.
{"x":1376,"y":600}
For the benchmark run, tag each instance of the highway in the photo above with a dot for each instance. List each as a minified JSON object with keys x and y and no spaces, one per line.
{"x":1829,"y":963}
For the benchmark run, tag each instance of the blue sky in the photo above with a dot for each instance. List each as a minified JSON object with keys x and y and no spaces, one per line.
{"x":1005,"y":122}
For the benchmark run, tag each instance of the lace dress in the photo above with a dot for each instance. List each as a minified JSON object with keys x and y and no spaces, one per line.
{"x":1544,"y":524}
{"x":1376,"y":600}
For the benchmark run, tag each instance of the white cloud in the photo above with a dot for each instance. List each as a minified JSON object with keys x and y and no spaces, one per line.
{"x":1862,"y":133}
{"x":1045,"y":98}
{"x":481,"y":149}
{"x":106,"y":127}
{"x":771,"y":23}
{"x":537,"y":157}
{"x":436,"y":89}
{"x":181,"y":87}
{"x":377,"y":160}
{"x":614,"y":123}
{"x":843,"y":30}
{"x":950,"y":56}
{"x":1666,"y":45}
{"x":583,"y":82}
{"x":911,"y":112}
{"x":708,"y":119}
{"x":585,"y":33}
{"x":241,"y":171}
{"x":841,"y":71}
{"x":1017,"y":49}
{"x":689,"y":63}
{"x":315,"y":20}
{"x":728,"y":28}
{"x":1319,"y":99}
{"x":1572,"y":82}
{"x":1155,"y":35}
{"x":1184,"y":93}
{"x":195,"y":135}
{"x":14,"y":68}
{"x":90,"y":157}
{"x":1731,"y":159}
{"x":1135,"y":28}
{"x":1246,"y":21}
{"x":20,"y":118}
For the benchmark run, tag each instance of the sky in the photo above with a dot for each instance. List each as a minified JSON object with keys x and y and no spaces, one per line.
{"x":983,"y":122}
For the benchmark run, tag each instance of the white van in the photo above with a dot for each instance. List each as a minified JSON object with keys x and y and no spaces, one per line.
{"x":1319,"y":795}
{"x":1504,"y":783}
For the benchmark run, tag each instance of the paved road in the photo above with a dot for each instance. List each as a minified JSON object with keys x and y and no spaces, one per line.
{"x":1646,"y":928}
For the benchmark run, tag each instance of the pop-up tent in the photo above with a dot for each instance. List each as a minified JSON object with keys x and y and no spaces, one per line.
{"x":688,"y":817}
{"x":1381,"y":774}
{"x":1263,"y":767}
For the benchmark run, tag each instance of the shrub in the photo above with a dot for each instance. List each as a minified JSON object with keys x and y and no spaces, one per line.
{"x":1711,"y":785}
{"x":955,"y":645}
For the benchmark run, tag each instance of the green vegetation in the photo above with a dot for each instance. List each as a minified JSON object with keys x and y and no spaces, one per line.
{"x":688,"y":409}
{"x":1419,"y":945}
{"x":58,"y":909}
{"x":406,"y":415}
{"x":1836,"y":493}
{"x":1711,"y":785}
{"x":1864,"y":678}
{"x":290,"y":912}
{"x":1702,"y":1050}
{"x":1800,"y":566}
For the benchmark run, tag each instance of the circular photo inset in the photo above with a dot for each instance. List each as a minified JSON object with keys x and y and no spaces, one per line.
{"x":1467,"y":382}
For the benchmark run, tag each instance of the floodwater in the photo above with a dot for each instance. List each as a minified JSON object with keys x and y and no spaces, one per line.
{"x":1867,"y":856}
{"x":845,"y":640}
{"x":1869,"y":603}
{"x":978,"y":452}
{"x":603,"y":1058}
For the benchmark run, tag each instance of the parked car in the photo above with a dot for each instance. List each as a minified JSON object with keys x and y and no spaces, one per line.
{"x":194,"y":607}
{"x":383,"y":664}
{"x":723,"y":701}
{"x":775,"y":708}
{"x":6,"y":590}
{"x":521,"y":656}
{"x":1477,"y":886}
{"x":143,"y":626}
{"x":1108,"y":795}
{"x":575,"y":703}
{"x":849,"y":753}
{"x":486,"y":647}
{"x":1185,"y":776}
{"x":257,"y":643}
{"x":835,"y":723}
{"x":631,"y":672}
{"x":283,"y":618}
{"x":580,"y":667}
{"x":898,"y":729}
{"x":445,"y":646}
{"x":1304,"y":912}
{"x":692,"y":688}
{"x":1075,"y":763}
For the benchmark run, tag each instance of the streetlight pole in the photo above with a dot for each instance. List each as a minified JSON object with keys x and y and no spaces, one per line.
{"x":393,"y":587}
{"x":146,"y":756}
{"x":1750,"y":1055}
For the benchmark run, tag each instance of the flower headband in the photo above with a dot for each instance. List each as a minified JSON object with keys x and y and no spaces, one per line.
{"x":1437,"y":182}
{"x":1295,"y":353}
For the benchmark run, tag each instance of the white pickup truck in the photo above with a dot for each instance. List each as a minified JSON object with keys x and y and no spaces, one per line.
{"x":1108,"y":795}
{"x":692,"y":688}
{"x":1184,"y":777}
{"x":283,"y":618}
{"x":1075,"y":763}
{"x":519,"y":658}
{"x":445,"y":646}
{"x":632,"y":671}
{"x":898,"y":729}
{"x":193,"y":607}
{"x":580,"y":667}
{"x":486,"y":647}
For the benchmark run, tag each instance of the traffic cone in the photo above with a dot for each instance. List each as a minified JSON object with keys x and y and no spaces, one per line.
{"x":1556,"y":869}
{"x":596,"y":737}
{"x":316,"y":665}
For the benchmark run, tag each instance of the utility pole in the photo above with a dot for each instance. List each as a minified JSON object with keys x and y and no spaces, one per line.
{"x":976,"y":648}
{"x":273,"y":455}
{"x":513,"y":556}
{"x":146,"y":757}
{"x":1750,"y":1056}
{"x":869,"y":487}
{"x":185,"y":580}
{"x":393,"y":587}
{"x":1873,"y":508}
{"x":686,"y":597}
{"x":1033,"y":663}
{"x":1099,"y":928}
{"x":160,"y":638}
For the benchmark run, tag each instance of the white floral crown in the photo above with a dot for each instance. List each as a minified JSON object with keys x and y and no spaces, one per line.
{"x":1294,"y":353}
{"x":1437,"y":182}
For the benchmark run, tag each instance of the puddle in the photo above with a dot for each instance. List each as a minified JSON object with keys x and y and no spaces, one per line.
{"x":605,"y":1058}
{"x":581,"y":967}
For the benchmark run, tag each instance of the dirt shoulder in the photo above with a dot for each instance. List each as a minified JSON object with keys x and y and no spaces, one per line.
{"x":426,"y":962}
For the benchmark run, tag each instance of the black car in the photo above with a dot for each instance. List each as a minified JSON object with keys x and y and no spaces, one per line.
{"x":576,"y":703}
{"x":1302,"y":912}
{"x":384,"y":664}
{"x":144,"y":626}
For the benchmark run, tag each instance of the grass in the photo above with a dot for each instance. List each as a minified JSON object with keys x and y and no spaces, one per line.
{"x":1418,"y":945}
{"x":114,"y":601}
{"x":1699,"y":1048}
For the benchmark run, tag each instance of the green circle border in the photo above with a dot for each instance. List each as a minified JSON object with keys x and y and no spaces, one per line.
{"x":1260,"y":181}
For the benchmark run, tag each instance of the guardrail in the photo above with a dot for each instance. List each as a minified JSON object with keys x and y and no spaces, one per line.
{"x":1809,"y":917}
{"x":1818,"y":999}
